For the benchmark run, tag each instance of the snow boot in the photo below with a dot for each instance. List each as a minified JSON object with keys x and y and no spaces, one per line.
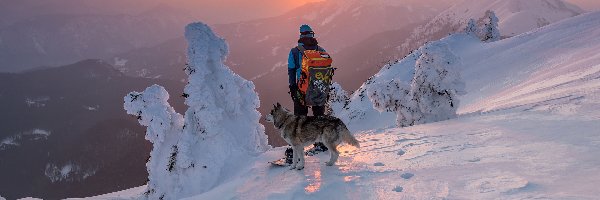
{"x":289,"y":155}
{"x":317,"y":148}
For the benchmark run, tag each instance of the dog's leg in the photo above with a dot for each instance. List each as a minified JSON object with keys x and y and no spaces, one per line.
{"x":333,"y":153}
{"x":294,"y":157}
{"x":300,"y":155}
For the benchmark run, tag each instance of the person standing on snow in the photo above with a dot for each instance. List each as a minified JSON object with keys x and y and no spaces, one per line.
{"x":308,"y":42}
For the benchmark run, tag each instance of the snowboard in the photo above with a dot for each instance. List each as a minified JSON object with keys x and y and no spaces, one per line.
{"x":279,"y":163}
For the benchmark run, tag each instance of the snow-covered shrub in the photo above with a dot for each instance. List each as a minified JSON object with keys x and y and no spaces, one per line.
{"x":338,"y":99}
{"x":395,"y":96}
{"x":491,"y":33}
{"x":437,"y":83}
{"x":217,"y":135}
{"x":431,"y":95}
{"x":471,"y":28}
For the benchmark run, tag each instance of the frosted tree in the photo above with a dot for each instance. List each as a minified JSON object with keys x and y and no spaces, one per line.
{"x":432,"y":93}
{"x":395,"y":96}
{"x":491,"y":33}
{"x":217,"y":135}
{"x":437,"y":83}
{"x":338,"y":99}
{"x":153,"y":110}
{"x":471,"y":28}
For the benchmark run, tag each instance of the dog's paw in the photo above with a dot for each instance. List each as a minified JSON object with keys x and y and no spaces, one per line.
{"x":329,"y":163}
{"x":300,"y":167}
{"x":292,"y":167}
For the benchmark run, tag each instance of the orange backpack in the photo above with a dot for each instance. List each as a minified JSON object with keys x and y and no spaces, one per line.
{"x":316,"y":77}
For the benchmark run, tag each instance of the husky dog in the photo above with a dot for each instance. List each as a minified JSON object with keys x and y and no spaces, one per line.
{"x":300,"y":131}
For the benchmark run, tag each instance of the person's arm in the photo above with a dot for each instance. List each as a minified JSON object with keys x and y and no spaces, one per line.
{"x":293,"y":72}
{"x":292,"y":68}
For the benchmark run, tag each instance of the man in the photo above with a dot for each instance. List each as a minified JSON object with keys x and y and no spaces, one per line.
{"x":309,"y":42}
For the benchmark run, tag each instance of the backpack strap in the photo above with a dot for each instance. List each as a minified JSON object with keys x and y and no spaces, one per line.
{"x":301,"y":48}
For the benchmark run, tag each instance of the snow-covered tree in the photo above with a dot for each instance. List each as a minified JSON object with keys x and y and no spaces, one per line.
{"x":471,"y":28}
{"x":217,"y":135}
{"x":395,"y":96}
{"x":431,"y":95}
{"x":338,"y":99}
{"x":153,"y":110}
{"x":437,"y":83}
{"x":491,"y":33}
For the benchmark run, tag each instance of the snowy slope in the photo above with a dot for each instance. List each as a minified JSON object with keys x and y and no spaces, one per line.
{"x":504,"y":74}
{"x":527,"y":129}
{"x":516,"y":17}
{"x":539,"y":146}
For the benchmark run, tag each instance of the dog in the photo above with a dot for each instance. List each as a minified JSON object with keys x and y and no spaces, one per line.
{"x":300,"y":131}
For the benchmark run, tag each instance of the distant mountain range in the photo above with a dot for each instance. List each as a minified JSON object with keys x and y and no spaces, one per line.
{"x":60,"y":39}
{"x":64,"y":131}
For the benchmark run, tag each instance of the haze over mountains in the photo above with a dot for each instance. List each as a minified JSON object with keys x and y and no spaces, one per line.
{"x":64,"y":132}
{"x":144,"y":42}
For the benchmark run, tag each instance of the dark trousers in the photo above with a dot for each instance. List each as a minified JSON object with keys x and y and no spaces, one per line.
{"x":302,"y":110}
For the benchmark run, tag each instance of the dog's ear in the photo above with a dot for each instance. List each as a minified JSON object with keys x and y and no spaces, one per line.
{"x":274,"y":106}
{"x":278,"y":105}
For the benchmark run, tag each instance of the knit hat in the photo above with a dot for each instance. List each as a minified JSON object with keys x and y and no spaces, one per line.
{"x":306,"y":31}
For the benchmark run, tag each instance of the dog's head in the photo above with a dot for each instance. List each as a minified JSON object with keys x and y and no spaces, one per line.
{"x":277,"y":114}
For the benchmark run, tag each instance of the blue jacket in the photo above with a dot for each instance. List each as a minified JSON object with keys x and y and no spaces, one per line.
{"x":295,"y":62}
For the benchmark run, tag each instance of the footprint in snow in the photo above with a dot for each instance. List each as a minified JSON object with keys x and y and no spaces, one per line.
{"x":398,"y":189}
{"x":378,"y":164}
{"x":407,"y":175}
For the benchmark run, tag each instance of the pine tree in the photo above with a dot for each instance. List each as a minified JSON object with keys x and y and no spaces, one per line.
{"x":432,"y":93}
{"x":491,"y":33}
{"x":471,"y":28}
{"x":436,"y":83}
{"x":338,"y":99}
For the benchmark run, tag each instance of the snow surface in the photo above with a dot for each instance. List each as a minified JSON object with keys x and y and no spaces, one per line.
{"x":527,"y":129}
{"x":516,"y":16}
{"x":129,"y":194}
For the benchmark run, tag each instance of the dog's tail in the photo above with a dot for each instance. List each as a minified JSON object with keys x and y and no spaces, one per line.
{"x":348,"y":137}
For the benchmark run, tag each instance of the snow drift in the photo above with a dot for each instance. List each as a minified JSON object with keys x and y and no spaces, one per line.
{"x":217,"y":135}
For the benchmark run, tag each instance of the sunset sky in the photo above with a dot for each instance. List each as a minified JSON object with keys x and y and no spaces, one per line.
{"x":224,"y":11}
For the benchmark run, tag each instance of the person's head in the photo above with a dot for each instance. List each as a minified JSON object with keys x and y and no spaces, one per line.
{"x":306,"y":31}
